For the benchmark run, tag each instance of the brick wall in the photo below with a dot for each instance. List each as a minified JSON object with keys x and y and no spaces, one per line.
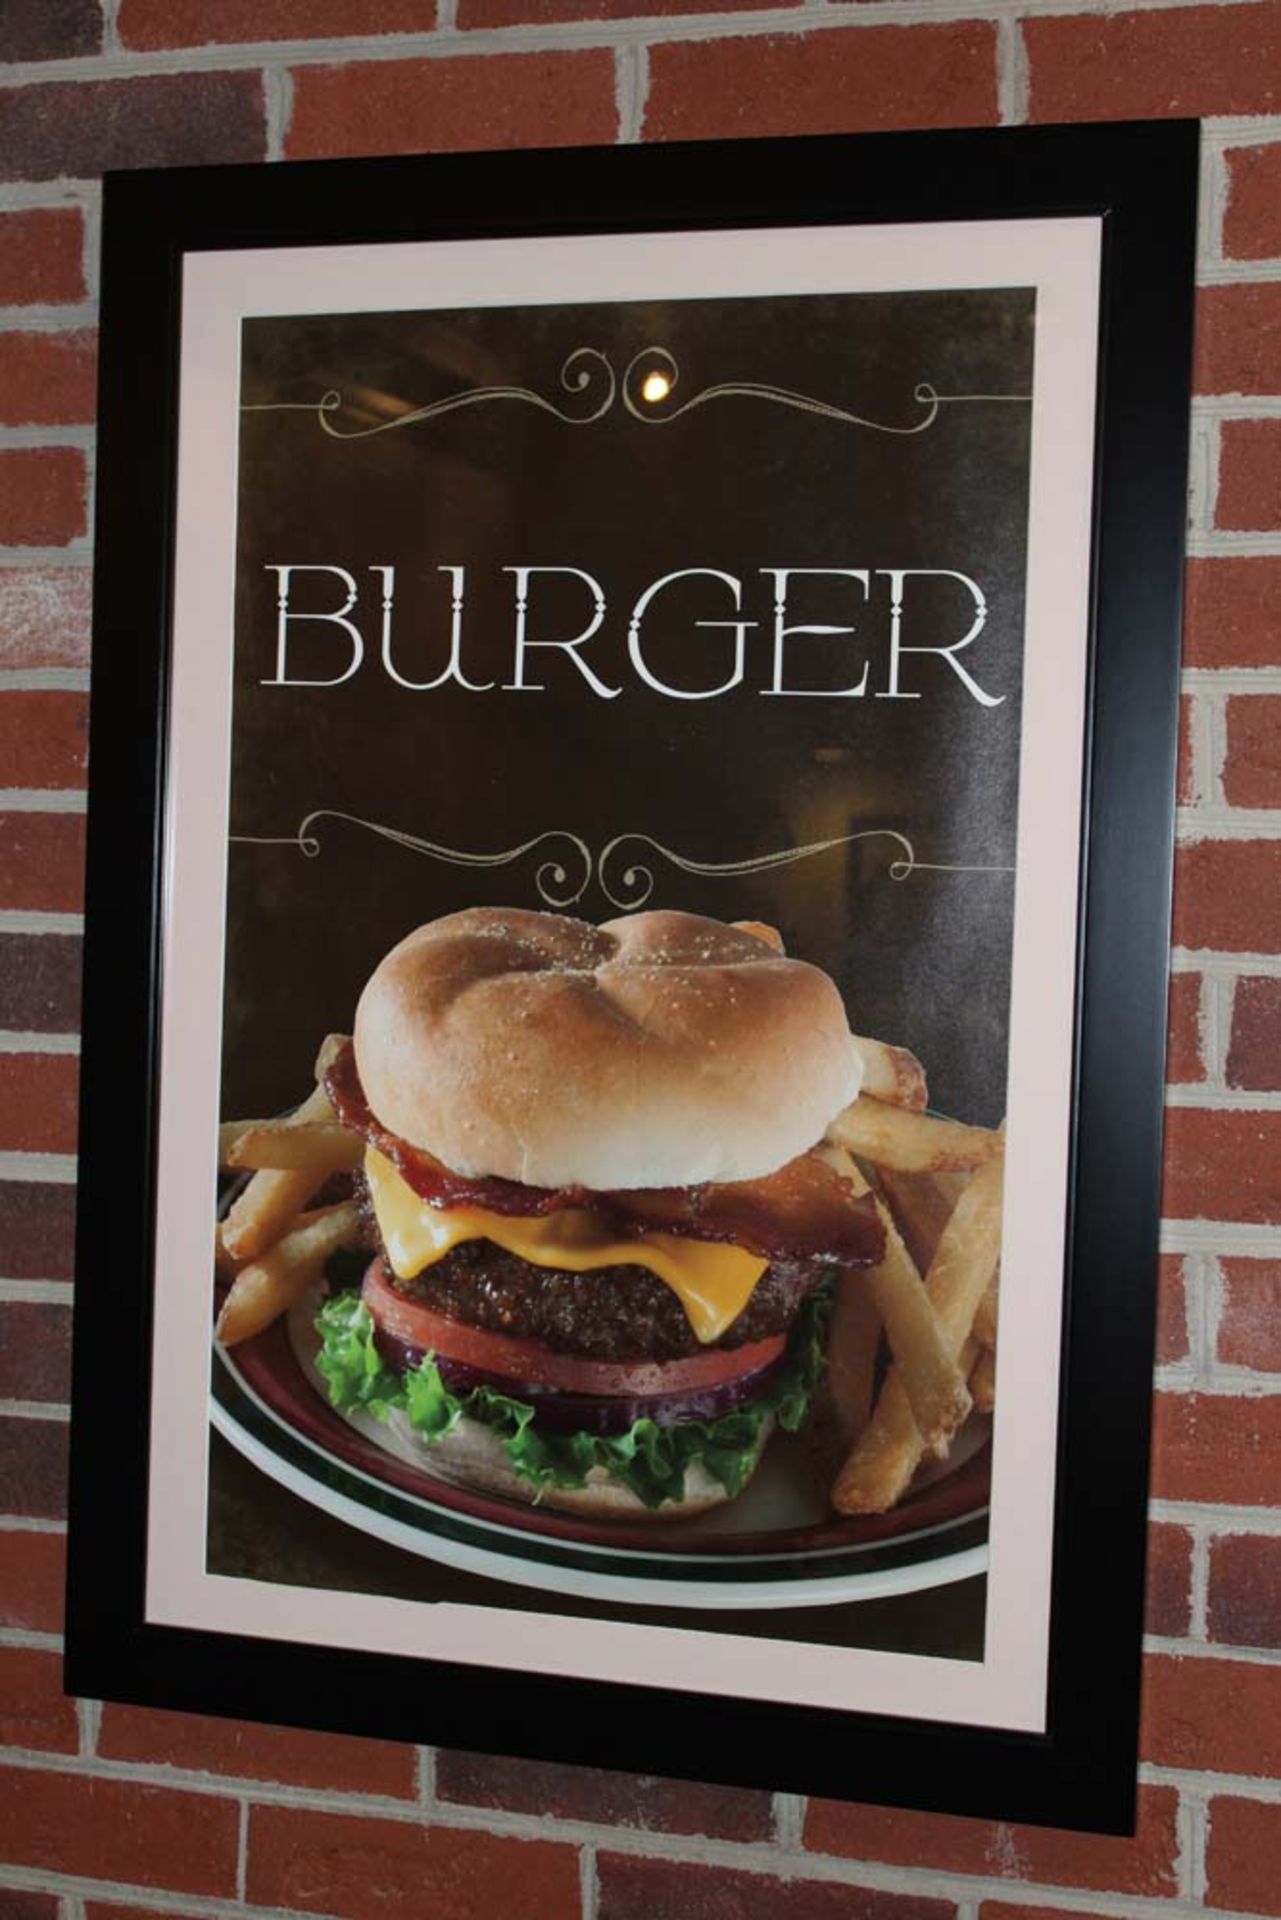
{"x":111,"y":1813}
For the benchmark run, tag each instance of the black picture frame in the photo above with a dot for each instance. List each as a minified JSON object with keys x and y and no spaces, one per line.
{"x":1141,"y":180}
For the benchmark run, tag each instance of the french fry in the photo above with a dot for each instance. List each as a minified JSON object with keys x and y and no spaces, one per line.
{"x":921,"y":1207}
{"x":229,"y":1133}
{"x":266,"y":1288}
{"x":258,"y":1216}
{"x":985,"y":1317}
{"x":935,"y":1388}
{"x":321,"y":1146}
{"x":911,"y":1142}
{"x":934,"y":1385}
{"x":760,"y":931}
{"x":965,"y":1259}
{"x":330,"y":1048}
{"x":224,"y":1265}
{"x":891,"y":1074}
{"x":884,"y":1457}
{"x":854,"y":1337}
{"x":983,"y":1380}
{"x":891,"y":1447}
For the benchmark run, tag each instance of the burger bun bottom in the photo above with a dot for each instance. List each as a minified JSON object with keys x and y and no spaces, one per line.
{"x":472,"y":1455}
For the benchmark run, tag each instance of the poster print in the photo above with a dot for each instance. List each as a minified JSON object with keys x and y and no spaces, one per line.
{"x":689,"y":637}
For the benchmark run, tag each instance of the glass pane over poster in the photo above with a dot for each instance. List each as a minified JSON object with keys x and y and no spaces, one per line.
{"x":732,"y":577}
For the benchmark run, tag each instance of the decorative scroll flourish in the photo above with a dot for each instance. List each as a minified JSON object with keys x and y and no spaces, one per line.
{"x":637,"y":879}
{"x":589,"y":372}
{"x":627,"y":888}
{"x":553,"y":878}
{"x":585,"y":369}
{"x":661,"y":362}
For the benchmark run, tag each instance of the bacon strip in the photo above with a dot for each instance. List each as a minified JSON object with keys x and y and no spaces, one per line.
{"x":804,"y":1211}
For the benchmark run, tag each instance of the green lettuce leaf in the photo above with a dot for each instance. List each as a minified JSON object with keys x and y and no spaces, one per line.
{"x":650,"y":1459}
{"x":354,"y":1369}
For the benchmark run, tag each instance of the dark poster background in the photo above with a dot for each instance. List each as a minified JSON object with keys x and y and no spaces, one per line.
{"x":739,"y":483}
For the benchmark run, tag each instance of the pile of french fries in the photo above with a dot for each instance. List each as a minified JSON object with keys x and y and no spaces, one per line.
{"x":273,"y":1244}
{"x":912,"y":1347}
{"x":937,"y":1188}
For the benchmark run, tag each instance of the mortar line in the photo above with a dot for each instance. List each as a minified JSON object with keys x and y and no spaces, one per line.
{"x":1216,"y":1517}
{"x":1199,"y":1587}
{"x":70,"y":316}
{"x":59,"y":1043}
{"x":53,"y":1293}
{"x":588,"y":1882}
{"x":1210,"y":208}
{"x":1201,"y":745}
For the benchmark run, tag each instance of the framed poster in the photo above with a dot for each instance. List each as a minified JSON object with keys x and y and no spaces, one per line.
{"x":676,"y":653}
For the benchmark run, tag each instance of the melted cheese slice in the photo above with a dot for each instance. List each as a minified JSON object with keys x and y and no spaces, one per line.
{"x":713,"y":1283}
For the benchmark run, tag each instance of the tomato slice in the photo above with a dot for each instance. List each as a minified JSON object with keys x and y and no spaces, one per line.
{"x":536,"y":1365}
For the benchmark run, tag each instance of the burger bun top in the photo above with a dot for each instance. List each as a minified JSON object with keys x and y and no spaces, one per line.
{"x":659,"y":1050}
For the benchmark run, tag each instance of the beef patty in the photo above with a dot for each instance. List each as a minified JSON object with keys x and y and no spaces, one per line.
{"x":611,"y":1313}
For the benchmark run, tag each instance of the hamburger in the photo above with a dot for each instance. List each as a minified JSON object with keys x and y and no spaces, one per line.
{"x":604,"y":1231}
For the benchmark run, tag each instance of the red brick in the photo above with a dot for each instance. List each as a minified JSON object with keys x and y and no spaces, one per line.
{"x":48,"y":379}
{"x":39,"y":978}
{"x":37,"y":1226}
{"x":38,"y":1102}
{"x":614,"y":1799}
{"x":44,"y":616}
{"x":1252,"y":768}
{"x":1252,"y":218}
{"x":16,"y":1903}
{"x":538,"y":13}
{"x":42,"y":496}
{"x":365,"y":1869}
{"x":636,"y":1889}
{"x":35,"y":1350}
{"x":1222,"y":1165}
{"x":1220,"y":1716}
{"x":1238,"y":339}
{"x":78,"y":129}
{"x":1186,"y":783}
{"x":1250,"y":1323}
{"x":50,"y":29}
{"x":852,"y":78}
{"x":1232,"y":614}
{"x":406,"y":106}
{"x":194,"y":23}
{"x":1183,"y":1051}
{"x":44,"y":739}
{"x":1168,"y":1602}
{"x":1172,"y":1312}
{"x":42,"y":858}
{"x":1249,"y":476}
{"x":33,"y":1467}
{"x":107,"y":1910}
{"x":1002,"y":1910}
{"x":33,"y":1573}
{"x":1142,"y":1865}
{"x":1216,"y":1447}
{"x":1227,"y":894}
{"x":42,"y":257}
{"x":121,"y":1830}
{"x":1245,"y":1590}
{"x":284,"y":1754}
{"x":1174,"y":60}
{"x":34,"y":1711}
{"x":1242,"y":1850}
{"x":1254,"y":1050}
